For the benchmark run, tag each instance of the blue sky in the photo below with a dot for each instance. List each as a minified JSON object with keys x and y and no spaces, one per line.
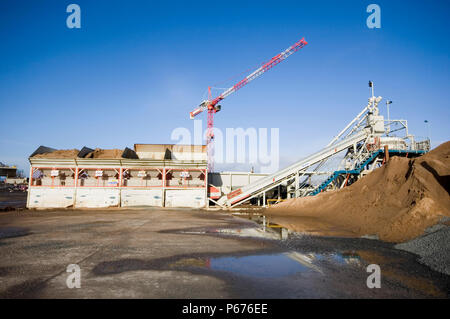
{"x":135,"y":69}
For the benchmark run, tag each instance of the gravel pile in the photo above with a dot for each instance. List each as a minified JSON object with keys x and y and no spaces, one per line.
{"x":433,"y":248}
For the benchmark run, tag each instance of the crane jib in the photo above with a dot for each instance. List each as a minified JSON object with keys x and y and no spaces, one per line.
{"x":265,"y":67}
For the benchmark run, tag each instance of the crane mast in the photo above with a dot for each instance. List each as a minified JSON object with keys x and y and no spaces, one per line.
{"x":212,"y":106}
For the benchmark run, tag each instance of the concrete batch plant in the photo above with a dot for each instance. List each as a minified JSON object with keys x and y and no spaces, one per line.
{"x":177,"y":175}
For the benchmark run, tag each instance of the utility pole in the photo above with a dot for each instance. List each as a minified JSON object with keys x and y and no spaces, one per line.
{"x":428,"y":130}
{"x":373,"y":95}
{"x":371,"y":86}
{"x":388,"y":102}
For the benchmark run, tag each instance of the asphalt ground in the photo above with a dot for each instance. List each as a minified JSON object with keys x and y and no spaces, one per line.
{"x":186,"y":253}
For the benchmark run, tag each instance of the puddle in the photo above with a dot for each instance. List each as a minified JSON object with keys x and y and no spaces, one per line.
{"x":278,"y":265}
{"x":345,"y":258}
{"x":263,"y":266}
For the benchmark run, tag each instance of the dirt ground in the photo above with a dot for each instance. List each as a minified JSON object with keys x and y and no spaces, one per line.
{"x":183,"y":253}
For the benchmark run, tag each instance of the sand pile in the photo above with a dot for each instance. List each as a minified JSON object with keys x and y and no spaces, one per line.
{"x":396,"y":202}
{"x":59,"y":154}
{"x":101,"y":153}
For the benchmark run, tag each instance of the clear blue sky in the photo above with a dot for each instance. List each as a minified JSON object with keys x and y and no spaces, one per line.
{"x":135,"y":69}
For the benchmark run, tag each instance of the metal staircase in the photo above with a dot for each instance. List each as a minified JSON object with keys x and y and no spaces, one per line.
{"x":325,"y":183}
{"x":369,"y":159}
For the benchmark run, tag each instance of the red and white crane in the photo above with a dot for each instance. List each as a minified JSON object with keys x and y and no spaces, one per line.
{"x":212,"y":104}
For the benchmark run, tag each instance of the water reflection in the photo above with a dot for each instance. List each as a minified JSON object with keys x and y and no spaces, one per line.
{"x":265,"y":266}
{"x":266,"y":225}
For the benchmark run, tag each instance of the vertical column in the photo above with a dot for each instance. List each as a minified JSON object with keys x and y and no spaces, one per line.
{"x":30,"y":182}
{"x":53,"y":177}
{"x":120,"y":176}
{"x":264,"y":199}
{"x":386,"y":153}
{"x":120,"y":185}
{"x":76,"y":187}
{"x":163,"y":172}
{"x":206,"y":187}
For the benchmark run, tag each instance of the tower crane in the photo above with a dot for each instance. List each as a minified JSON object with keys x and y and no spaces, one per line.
{"x":212,"y":106}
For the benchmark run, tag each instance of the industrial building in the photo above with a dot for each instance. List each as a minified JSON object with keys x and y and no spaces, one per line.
{"x":10,"y":175}
{"x":150,"y":175}
{"x":7,"y":171}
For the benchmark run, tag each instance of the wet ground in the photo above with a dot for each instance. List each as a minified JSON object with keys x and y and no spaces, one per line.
{"x":162,"y":253}
{"x":12,"y":200}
